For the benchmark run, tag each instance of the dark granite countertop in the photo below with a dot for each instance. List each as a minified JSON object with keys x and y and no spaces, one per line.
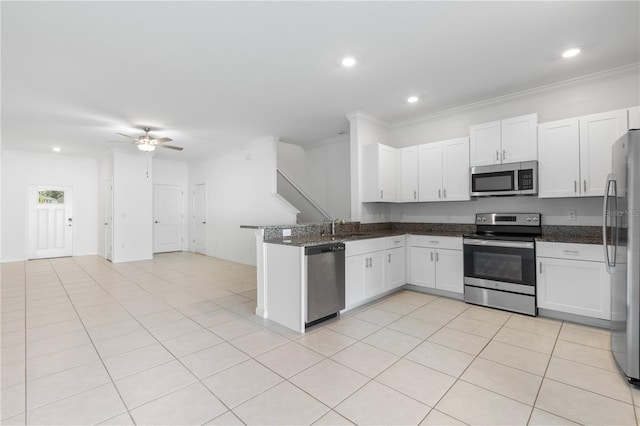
{"x":571,"y":234}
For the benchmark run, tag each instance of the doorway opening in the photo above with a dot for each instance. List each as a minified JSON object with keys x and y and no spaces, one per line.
{"x":200,"y":218}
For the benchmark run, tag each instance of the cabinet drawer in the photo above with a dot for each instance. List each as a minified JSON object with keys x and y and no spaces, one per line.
{"x":396,"y":241}
{"x":370,"y":245}
{"x":452,"y":243}
{"x":590,"y":252}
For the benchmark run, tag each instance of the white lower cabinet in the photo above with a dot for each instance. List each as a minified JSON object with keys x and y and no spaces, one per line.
{"x":372,"y":267}
{"x":572,"y":278}
{"x":436,"y":262}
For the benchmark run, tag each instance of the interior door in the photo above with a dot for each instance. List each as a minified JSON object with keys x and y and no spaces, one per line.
{"x":50,"y":231}
{"x":200,"y":218}
{"x":108,"y":220}
{"x":167,"y":218}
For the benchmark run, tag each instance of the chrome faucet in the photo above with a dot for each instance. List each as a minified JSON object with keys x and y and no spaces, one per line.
{"x":333,"y":225}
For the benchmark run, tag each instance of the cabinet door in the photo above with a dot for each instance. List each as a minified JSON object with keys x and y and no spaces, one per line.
{"x":375,"y":274}
{"x":519,"y":138}
{"x":455,"y":169}
{"x":598,"y":133}
{"x":355,"y":272}
{"x":574,"y":286}
{"x":396,"y":267}
{"x":559,"y":159}
{"x":634,"y":118}
{"x":449,"y":270}
{"x":422,"y":267}
{"x":430,"y":172}
{"x":387,"y":173}
{"x":408,"y":174}
{"x":485,"y":147}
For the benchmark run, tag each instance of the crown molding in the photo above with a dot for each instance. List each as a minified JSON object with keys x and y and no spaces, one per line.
{"x":361,"y":114}
{"x":577,"y":81}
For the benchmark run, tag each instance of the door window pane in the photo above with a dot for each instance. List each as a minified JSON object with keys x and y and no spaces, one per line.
{"x":50,"y":197}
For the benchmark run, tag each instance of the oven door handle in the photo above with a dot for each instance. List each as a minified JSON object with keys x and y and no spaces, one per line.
{"x":499,"y":243}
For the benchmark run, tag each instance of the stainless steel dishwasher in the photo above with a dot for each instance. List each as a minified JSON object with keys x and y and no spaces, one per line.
{"x":325,"y":281}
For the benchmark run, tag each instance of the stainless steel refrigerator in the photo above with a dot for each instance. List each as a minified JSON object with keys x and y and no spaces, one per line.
{"x":621,"y":235}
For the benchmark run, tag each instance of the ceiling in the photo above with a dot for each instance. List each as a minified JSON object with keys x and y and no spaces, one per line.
{"x":216,"y":75}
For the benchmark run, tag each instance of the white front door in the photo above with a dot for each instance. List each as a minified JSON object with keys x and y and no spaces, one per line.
{"x":167,"y":218}
{"x":50,"y":221}
{"x":108,"y":220}
{"x":200,"y":218}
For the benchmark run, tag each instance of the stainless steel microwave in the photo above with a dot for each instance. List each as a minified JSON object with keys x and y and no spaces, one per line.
{"x":504,"y":179}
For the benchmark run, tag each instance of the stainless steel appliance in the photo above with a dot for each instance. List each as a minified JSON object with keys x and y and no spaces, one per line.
{"x":504,"y":179}
{"x":500,"y":261}
{"x":325,"y":281}
{"x":621,"y":238}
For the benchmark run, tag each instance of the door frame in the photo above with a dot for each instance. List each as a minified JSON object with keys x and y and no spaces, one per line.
{"x":193,"y":217}
{"x":108,"y":194}
{"x":30,"y":249}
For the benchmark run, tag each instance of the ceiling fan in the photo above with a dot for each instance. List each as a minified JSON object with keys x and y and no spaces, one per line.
{"x":148,"y":143}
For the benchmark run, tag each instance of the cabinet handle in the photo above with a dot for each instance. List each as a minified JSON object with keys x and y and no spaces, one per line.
{"x":444,"y":192}
{"x":381,"y":193}
{"x":497,"y":155}
{"x":415,"y":195}
{"x":585,"y":186}
{"x":439,"y":194}
{"x":540,"y":270}
{"x":432,"y":256}
{"x":571,"y":251}
{"x":575,"y":186}
{"x":434,"y":242}
{"x":389,"y":257}
{"x":437,"y":256}
{"x":504,"y":154}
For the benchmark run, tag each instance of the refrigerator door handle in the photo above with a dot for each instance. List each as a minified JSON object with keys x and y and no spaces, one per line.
{"x":611,"y":179}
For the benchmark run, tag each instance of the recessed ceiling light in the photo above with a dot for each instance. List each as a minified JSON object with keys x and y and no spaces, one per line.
{"x":348,"y":62}
{"x":571,"y":52}
{"x":412,"y":99}
{"x":56,"y":149}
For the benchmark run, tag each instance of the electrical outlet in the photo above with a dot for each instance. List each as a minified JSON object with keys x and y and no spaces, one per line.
{"x":572,"y":215}
{"x":449,"y":215}
{"x":286,"y":232}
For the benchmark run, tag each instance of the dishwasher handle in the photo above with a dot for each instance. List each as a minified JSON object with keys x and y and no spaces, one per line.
{"x":324,"y":248}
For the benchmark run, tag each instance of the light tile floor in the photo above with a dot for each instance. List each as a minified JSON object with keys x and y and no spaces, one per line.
{"x":175,"y":341}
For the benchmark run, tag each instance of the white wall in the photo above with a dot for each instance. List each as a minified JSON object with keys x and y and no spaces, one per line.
{"x":240,"y":191}
{"x":21,"y":169}
{"x":132,"y":207}
{"x":592,"y":94}
{"x":176,"y":173}
{"x":321,"y":171}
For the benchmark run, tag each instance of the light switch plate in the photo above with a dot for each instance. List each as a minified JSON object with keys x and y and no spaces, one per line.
{"x":286,"y":232}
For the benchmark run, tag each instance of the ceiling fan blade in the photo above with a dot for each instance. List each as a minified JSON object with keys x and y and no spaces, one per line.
{"x":120,"y":141}
{"x":177,"y":148}
{"x":126,"y":136}
{"x":163,"y":140}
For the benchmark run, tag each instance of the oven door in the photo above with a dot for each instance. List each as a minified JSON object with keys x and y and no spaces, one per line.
{"x":500,"y":265}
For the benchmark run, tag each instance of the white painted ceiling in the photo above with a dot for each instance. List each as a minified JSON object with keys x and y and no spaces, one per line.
{"x":215,"y":75}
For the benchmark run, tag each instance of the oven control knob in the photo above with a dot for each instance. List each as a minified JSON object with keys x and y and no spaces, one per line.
{"x":535,"y":218}
{"x":528,"y":218}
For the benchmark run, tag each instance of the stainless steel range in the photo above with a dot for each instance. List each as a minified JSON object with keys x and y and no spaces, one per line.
{"x":500,"y":261}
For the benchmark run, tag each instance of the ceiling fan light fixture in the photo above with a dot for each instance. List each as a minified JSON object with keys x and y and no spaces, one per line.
{"x":146,"y":148}
{"x":570,"y":53}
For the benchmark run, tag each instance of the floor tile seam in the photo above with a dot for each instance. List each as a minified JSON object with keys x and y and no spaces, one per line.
{"x":101,"y":361}
{"x":253,"y":356}
{"x":591,"y":346}
{"x":27,"y":359}
{"x":502,"y":394}
{"x":511,"y":366}
{"x":555,"y":379}
{"x":591,"y":392}
{"x":469,"y":332}
{"x":523,"y":347}
{"x":532,"y":332}
{"x":581,"y":327}
{"x":71,"y":395}
{"x":546,"y":370}
{"x":586,"y":364}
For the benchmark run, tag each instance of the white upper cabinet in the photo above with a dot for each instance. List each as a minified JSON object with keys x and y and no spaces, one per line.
{"x":598,"y":132}
{"x":455,"y":170}
{"x":443,"y":170}
{"x":378,"y":173}
{"x":634,"y":118}
{"x":408,"y":172}
{"x":508,"y":141}
{"x":519,"y":138}
{"x":486,"y":145}
{"x":559,"y":159}
{"x":430,"y":172}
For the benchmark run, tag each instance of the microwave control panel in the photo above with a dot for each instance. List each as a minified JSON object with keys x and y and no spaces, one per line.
{"x":525,"y":179}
